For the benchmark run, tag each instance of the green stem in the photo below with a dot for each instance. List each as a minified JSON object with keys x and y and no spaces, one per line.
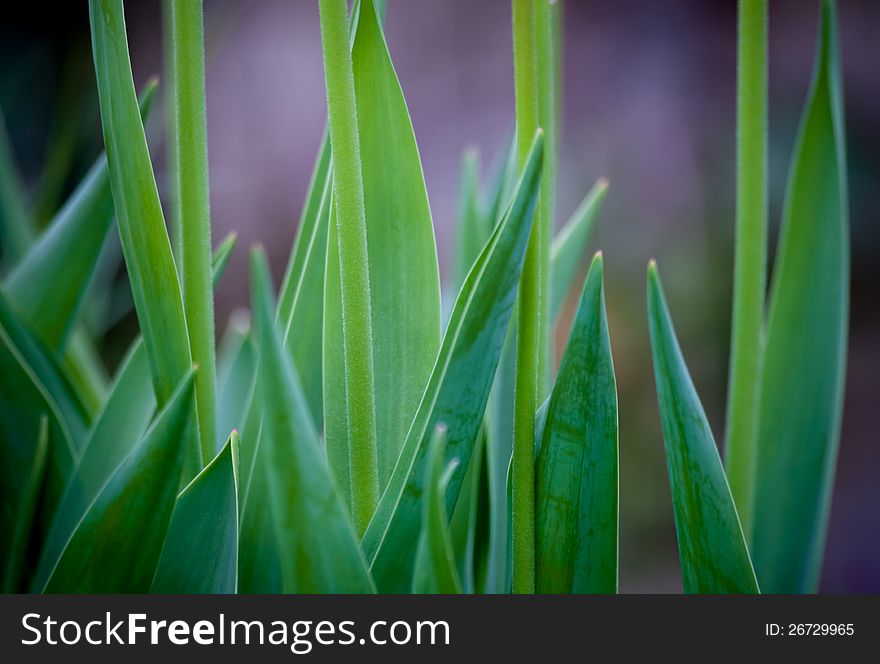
{"x":193,"y":205}
{"x":348,"y":192}
{"x":529,"y":353}
{"x":172,"y":211}
{"x":750,"y":268}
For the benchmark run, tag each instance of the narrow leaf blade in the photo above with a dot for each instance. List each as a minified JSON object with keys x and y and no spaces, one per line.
{"x":435,"y":571}
{"x":712,"y":549}
{"x":805,"y":353}
{"x":318,"y":547}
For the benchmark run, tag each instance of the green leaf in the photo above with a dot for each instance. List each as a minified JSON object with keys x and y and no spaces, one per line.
{"x":805,"y":354}
{"x":117,"y":431}
{"x":221,"y":257}
{"x":435,"y":571}
{"x":569,"y":245}
{"x":471,"y":522}
{"x":712,"y":549}
{"x":16,"y":231}
{"x":319,"y":546}
{"x":308,"y":220}
{"x":200,"y":554}
{"x":116,"y":546}
{"x":24,"y":524}
{"x":576,"y":493}
{"x":24,"y":401}
{"x":236,"y":363}
{"x":472,"y":227}
{"x":45,"y":366}
{"x":305,"y":317}
{"x":459,"y":385}
{"x":49,"y":284}
{"x":82,"y":364}
{"x":404,"y":283}
{"x":259,"y":566}
{"x":154,"y":283}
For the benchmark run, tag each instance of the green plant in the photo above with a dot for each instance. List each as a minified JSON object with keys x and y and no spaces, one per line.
{"x":787,"y":363}
{"x":353,"y":437}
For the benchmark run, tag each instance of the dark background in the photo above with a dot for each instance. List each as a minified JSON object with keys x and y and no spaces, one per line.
{"x":649,"y":102}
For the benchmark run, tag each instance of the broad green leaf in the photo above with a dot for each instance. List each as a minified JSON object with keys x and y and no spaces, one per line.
{"x":403,"y":274}
{"x":306,"y":311}
{"x":319,"y":552}
{"x":153,"y":276}
{"x":712,"y":549}
{"x":116,"y":545}
{"x":435,"y":571}
{"x":200,"y":554}
{"x":576,"y":492}
{"x":117,"y":431}
{"x":45,"y":366}
{"x":24,"y":523}
{"x":49,"y":284}
{"x":459,"y":385}
{"x":16,"y":231}
{"x":806,"y":337}
{"x":568,"y":246}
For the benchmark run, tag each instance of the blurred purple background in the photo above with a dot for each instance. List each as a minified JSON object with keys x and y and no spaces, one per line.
{"x":649,"y":99}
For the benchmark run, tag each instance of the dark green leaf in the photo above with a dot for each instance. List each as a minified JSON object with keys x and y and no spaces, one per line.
{"x":117,"y":431}
{"x":16,"y":230}
{"x":577,"y":483}
{"x":435,"y":571}
{"x":711,"y":546}
{"x":116,"y":546}
{"x":24,"y":524}
{"x":49,"y":284}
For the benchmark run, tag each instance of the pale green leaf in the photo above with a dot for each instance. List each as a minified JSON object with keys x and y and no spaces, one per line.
{"x":459,"y":385}
{"x":801,"y":397}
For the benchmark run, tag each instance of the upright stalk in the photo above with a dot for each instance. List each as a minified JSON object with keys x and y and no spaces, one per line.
{"x":172,"y":212}
{"x":530,"y":355}
{"x":348,"y":192}
{"x":750,"y":267}
{"x":193,"y":206}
